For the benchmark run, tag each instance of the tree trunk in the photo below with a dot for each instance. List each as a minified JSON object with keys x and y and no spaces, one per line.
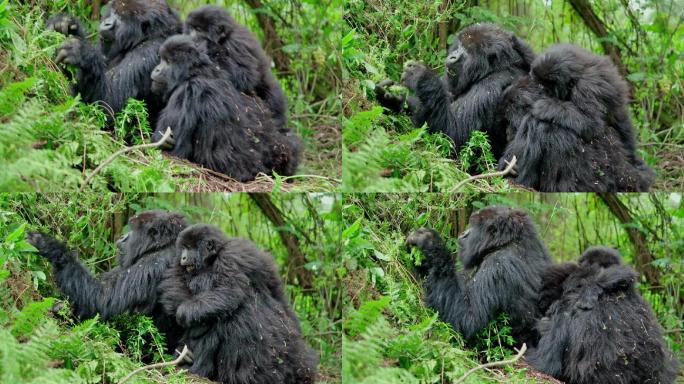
{"x":273,"y":44}
{"x":642,"y":255}
{"x":296,"y":260}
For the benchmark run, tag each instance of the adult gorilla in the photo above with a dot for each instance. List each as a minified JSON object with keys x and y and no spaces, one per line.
{"x":569,"y":126}
{"x":503,"y":260}
{"x":482,"y":62}
{"x":229,"y":298}
{"x":599,"y":329}
{"x":212,"y":123}
{"x":145,"y":252}
{"x":131,"y":32}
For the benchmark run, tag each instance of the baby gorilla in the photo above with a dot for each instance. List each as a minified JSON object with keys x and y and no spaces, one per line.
{"x":213,"y":124}
{"x":482,"y":62}
{"x":237,"y":51}
{"x":599,"y":329}
{"x":229,"y":298}
{"x":569,"y":128}
{"x":503,"y":260}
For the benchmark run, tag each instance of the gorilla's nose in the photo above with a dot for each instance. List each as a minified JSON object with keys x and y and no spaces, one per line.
{"x":585,"y":306}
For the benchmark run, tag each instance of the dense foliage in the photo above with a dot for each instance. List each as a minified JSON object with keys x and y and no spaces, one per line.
{"x":40,"y":340}
{"x":51,"y":140}
{"x":384,"y":152}
{"x":391,"y":337}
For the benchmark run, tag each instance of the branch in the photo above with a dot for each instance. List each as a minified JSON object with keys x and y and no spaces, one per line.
{"x":178,"y":360}
{"x":506,"y":171}
{"x":120,"y":152}
{"x":521,"y":352}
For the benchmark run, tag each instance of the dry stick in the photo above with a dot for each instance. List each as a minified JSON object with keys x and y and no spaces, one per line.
{"x":509,"y":169}
{"x":494,"y":364}
{"x":120,"y":152}
{"x":158,"y":365}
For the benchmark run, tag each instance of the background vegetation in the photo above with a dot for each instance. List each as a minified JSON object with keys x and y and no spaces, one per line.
{"x":39,"y":340}
{"x":384,"y":152}
{"x":51,"y":141}
{"x":391,"y":337}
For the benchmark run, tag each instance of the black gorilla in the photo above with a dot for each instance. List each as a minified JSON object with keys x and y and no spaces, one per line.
{"x":237,"y":51}
{"x":145,"y":252}
{"x":229,"y":298}
{"x":482,"y":62}
{"x":569,"y":127}
{"x":213,"y":124}
{"x":131,"y":32}
{"x":503,"y":260}
{"x":599,"y":329}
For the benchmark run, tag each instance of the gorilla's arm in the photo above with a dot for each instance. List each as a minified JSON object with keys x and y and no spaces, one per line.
{"x":182,"y":123}
{"x":210,"y":304}
{"x":269,"y":90}
{"x":548,"y":355}
{"x":173,"y":289}
{"x":114,"y":293}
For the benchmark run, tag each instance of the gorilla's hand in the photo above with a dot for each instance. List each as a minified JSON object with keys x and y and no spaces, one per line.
{"x":423,"y":238}
{"x":386,"y":98}
{"x":66,"y":25}
{"x":70,"y":52}
{"x":413,"y":70}
{"x":50,"y":248}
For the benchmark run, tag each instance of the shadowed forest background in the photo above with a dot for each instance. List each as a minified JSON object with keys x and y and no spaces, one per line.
{"x":41,"y":342}
{"x":384,"y":152}
{"x":390,"y":336}
{"x":51,"y":140}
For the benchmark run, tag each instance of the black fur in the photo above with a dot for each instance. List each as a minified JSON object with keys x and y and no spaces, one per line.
{"x":482,"y":62}
{"x":503,"y":260}
{"x":213,"y":124}
{"x":228,"y":296}
{"x":131,"y":32}
{"x":569,"y":127}
{"x":600,"y":256}
{"x":145,"y":252}
{"x":599,"y":329}
{"x":237,"y":51}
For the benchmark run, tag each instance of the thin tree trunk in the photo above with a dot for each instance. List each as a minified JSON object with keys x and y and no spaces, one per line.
{"x":296,"y":260}
{"x":642,"y":255}
{"x":273,"y":44}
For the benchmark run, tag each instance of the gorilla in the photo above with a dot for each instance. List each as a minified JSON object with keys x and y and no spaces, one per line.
{"x":237,"y":51}
{"x":229,"y":298}
{"x":599,"y":329}
{"x":569,"y":128}
{"x":131,"y":32}
{"x":503,"y":260}
{"x":212,"y":123}
{"x":145,"y":252}
{"x":482,"y":62}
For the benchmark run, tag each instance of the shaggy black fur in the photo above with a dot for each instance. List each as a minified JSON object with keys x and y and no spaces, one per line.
{"x":212,"y":122}
{"x":600,"y":330}
{"x":239,"y":53}
{"x":228,"y":296}
{"x":569,"y":126}
{"x":503,"y":260}
{"x":131,"y":32}
{"x":145,"y":252}
{"x":482,"y":62}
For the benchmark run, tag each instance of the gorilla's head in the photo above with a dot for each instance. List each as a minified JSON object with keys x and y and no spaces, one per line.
{"x":199,"y":245}
{"x":482,"y":49}
{"x":492,"y":228}
{"x":127,"y":23}
{"x":180,"y":55}
{"x":149,"y":231}
{"x":582,"y":290}
{"x":600,"y":256}
{"x":210,"y":22}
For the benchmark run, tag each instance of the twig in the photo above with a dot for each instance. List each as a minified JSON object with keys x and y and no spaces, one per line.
{"x":506,"y":171}
{"x":521,"y":352}
{"x":157,"y":365}
{"x":120,"y":152}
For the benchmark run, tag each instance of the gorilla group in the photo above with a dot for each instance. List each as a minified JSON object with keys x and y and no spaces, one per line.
{"x":584,"y":323}
{"x":563,"y":115}
{"x":221,"y":297}
{"x":213,"y":89}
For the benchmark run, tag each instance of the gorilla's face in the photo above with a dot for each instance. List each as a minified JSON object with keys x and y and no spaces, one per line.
{"x":149,"y":231}
{"x":455,"y":59}
{"x":210,"y":22}
{"x":198,"y":246}
{"x":179,"y":55}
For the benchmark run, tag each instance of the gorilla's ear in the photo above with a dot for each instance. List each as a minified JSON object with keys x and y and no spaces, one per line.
{"x":152,"y":232}
{"x":617,"y":278}
{"x":210,"y":246}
